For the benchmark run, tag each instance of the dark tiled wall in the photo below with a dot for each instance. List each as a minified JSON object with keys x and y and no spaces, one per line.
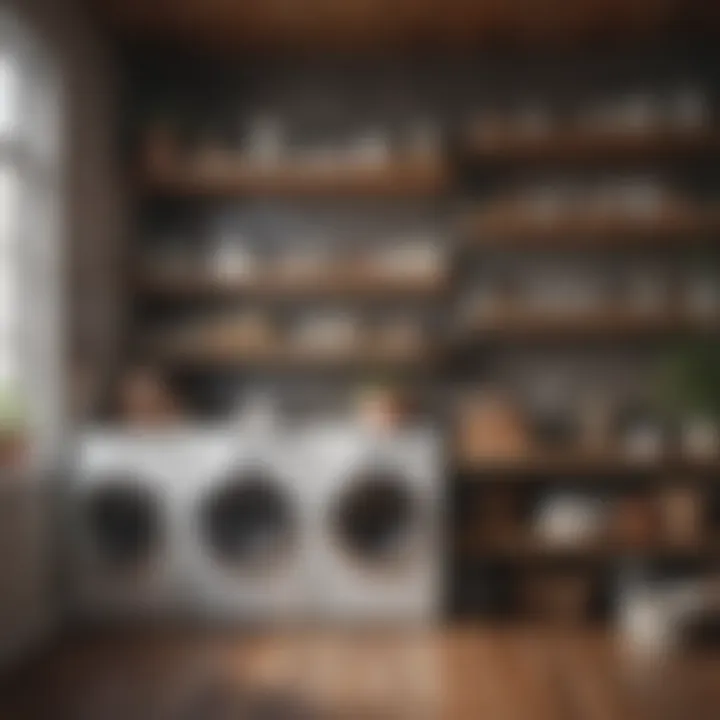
{"x":331,"y":98}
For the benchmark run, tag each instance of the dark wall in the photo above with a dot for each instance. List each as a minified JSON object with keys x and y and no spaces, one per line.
{"x":328,"y":99}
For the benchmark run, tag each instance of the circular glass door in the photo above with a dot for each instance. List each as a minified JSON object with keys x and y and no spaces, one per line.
{"x":376,"y":518}
{"x":123,"y":523}
{"x":248,"y":522}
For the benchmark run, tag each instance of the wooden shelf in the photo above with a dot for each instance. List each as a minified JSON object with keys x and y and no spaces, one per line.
{"x":574,"y":464}
{"x":681,"y":230}
{"x":288,"y":357}
{"x":276,"y":287}
{"x":530,"y":548}
{"x":406,"y":177}
{"x":582,"y":147}
{"x":601,"y":326}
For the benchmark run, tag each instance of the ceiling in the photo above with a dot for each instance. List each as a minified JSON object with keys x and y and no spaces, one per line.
{"x":349,"y":24}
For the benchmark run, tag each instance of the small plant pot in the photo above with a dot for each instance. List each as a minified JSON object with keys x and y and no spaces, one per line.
{"x":492,"y":428}
{"x":700,"y":438}
{"x":13,"y":449}
{"x":382,"y":410}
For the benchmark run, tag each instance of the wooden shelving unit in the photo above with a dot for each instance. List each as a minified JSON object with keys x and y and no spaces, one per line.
{"x":225,"y":176}
{"x":508,"y":227}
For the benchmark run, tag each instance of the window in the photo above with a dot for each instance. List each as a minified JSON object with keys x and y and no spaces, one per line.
{"x":29,"y":235}
{"x":9,"y":235}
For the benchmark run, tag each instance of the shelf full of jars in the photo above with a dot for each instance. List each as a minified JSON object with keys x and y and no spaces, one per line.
{"x":265,"y":262}
{"x":585,"y":345}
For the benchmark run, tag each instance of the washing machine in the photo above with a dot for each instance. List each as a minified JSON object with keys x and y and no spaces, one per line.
{"x":246,"y":534}
{"x":198,"y":523}
{"x":375,"y":547}
{"x":127,"y":517}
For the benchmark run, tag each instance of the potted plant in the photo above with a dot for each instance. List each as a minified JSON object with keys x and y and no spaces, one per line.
{"x":688,"y":388}
{"x":382,"y":405}
{"x":13,"y":427}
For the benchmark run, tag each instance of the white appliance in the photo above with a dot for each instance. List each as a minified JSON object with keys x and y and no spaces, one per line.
{"x":246,"y":533}
{"x":374,"y":549}
{"x":199,"y":522}
{"x":245,"y":523}
{"x":127,"y":516}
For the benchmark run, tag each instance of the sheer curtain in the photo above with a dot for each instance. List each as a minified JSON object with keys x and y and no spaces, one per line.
{"x":30,"y":240}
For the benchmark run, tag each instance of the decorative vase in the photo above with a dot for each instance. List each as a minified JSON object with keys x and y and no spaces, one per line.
{"x":381,"y":409}
{"x":13,"y":449}
{"x":700,"y":438}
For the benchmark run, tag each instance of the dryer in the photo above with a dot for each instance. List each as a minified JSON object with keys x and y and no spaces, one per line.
{"x":127,"y":517}
{"x":246,"y":531}
{"x":375,"y":545}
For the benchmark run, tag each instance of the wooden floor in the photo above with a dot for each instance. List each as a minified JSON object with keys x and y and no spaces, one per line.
{"x":464,"y":673}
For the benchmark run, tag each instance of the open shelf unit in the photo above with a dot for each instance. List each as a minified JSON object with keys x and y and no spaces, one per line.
{"x":223,"y":176}
{"x":494,"y":228}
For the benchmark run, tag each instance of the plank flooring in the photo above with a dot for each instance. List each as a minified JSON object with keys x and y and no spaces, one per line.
{"x":465,"y":673}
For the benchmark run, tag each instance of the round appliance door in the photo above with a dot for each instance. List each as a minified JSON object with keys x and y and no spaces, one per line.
{"x":123,"y":524}
{"x":248,"y":522}
{"x":379,"y":520}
